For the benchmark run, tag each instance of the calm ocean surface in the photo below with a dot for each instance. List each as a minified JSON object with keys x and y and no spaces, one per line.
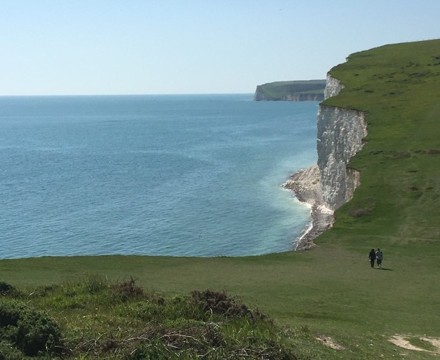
{"x":151,"y":175}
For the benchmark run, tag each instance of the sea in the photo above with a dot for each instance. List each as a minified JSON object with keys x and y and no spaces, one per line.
{"x":166,"y":175}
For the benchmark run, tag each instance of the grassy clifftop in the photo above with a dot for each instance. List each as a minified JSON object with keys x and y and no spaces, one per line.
{"x":334,"y":304}
{"x":398,"y":86}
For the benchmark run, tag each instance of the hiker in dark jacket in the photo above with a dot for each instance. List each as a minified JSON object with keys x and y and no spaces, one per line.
{"x":372,"y":257}
{"x":379,"y":258}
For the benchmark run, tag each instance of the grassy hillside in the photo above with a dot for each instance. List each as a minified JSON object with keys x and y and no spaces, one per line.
{"x":329,"y":293}
{"x":398,"y":86}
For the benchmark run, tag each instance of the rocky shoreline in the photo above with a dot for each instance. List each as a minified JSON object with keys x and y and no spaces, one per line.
{"x":306,"y":186}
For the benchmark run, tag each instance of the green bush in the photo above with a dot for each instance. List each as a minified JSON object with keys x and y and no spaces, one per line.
{"x":8,"y":352}
{"x":7,"y":289}
{"x":29,"y":331}
{"x":221,"y":304}
{"x":127,"y":290}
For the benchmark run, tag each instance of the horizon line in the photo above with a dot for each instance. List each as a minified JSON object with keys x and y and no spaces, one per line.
{"x":133,"y":94}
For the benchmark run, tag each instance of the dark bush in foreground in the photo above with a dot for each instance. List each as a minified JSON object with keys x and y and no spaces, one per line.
{"x":220,"y":303}
{"x":7,"y":289}
{"x":127,"y":290}
{"x":26,"y":330}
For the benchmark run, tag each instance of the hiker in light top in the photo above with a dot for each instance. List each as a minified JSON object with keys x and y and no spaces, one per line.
{"x":372,"y":257}
{"x":379,"y":258}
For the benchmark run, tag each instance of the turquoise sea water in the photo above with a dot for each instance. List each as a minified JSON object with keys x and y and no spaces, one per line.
{"x":151,"y":175}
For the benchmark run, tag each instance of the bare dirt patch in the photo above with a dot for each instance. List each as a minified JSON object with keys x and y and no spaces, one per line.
{"x":403,"y":341}
{"x":328,"y":341}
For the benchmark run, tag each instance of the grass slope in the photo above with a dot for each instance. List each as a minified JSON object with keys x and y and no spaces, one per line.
{"x":398,"y":87}
{"x":97,"y":319}
{"x":331,"y":291}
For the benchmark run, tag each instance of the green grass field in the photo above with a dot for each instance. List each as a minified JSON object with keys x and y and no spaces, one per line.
{"x":330,"y":291}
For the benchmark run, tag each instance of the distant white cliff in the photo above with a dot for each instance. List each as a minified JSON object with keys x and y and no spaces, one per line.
{"x":298,"y":90}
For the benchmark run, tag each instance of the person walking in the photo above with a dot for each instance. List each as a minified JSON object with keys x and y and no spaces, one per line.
{"x":379,"y":258}
{"x":372,"y":257}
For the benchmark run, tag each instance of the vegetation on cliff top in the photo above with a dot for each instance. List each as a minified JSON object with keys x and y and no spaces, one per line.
{"x":334,"y":304}
{"x":291,"y":90}
{"x":398,"y":86}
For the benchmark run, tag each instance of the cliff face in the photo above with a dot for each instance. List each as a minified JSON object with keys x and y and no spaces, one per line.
{"x":340,"y":135}
{"x":260,"y":95}
{"x":331,"y":183}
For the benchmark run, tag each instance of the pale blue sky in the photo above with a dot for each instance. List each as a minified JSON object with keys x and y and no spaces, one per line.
{"x":59,"y":47}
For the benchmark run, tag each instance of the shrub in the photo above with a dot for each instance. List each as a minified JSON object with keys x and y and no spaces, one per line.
{"x":127,"y":290}
{"x":27,"y":330}
{"x":7,"y":289}
{"x":220,"y":303}
{"x":8,"y":352}
{"x":95,"y":283}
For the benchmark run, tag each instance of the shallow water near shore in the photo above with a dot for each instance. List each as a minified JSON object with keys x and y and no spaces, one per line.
{"x":151,"y":175}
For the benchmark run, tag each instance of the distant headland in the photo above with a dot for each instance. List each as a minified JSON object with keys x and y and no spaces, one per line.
{"x":306,"y":90}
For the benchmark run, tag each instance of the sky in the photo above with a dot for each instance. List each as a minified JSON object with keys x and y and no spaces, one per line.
{"x":86,"y":47}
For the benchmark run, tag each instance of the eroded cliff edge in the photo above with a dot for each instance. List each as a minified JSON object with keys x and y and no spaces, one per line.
{"x":331,"y":182}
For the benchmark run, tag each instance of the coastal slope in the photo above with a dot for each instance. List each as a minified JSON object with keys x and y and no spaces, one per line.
{"x":376,"y":133}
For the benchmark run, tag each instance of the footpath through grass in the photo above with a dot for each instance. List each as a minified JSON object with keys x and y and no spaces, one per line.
{"x":330,"y":294}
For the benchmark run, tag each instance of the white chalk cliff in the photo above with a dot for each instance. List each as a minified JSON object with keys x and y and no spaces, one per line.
{"x":331,"y":183}
{"x":339,"y":138}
